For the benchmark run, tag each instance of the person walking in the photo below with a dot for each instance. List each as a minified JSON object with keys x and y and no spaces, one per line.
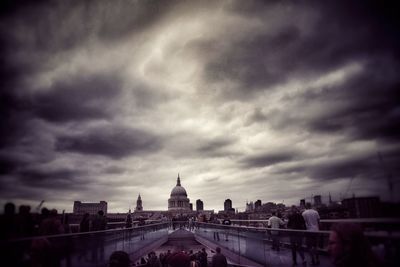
{"x":219,"y":259}
{"x":311,"y":218}
{"x":296,"y":222}
{"x":226,"y":221}
{"x":99,"y":224}
{"x":275,"y":222}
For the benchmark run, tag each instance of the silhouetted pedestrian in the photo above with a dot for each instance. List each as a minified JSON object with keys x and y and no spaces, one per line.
{"x":203,"y":257}
{"x":99,"y":223}
{"x":275,"y":223}
{"x":219,"y":259}
{"x":179,"y":259}
{"x":296,"y":222}
{"x":348,"y":247}
{"x":84,"y":225}
{"x":119,"y":259}
{"x":311,"y":218}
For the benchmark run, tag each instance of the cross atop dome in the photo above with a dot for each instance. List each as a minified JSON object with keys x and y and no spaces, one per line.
{"x":178,"y":181}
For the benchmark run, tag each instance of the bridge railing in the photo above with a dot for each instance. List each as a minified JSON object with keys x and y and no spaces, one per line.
{"x":259,"y":244}
{"x":79,"y":249}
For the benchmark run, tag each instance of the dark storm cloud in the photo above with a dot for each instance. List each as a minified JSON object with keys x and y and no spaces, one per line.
{"x":336,"y":35}
{"x":15,"y":114}
{"x":256,"y":116}
{"x":267,"y":159}
{"x":35,"y":183}
{"x":78,"y":98}
{"x":375,"y":115}
{"x":215,"y":146}
{"x":111,"y":141}
{"x":147,"y":97}
{"x":55,"y":26}
{"x":367,"y":167}
{"x":115,"y":170}
{"x":8,"y":165}
{"x":61,"y":178}
{"x":80,"y":78}
{"x":25,"y":140}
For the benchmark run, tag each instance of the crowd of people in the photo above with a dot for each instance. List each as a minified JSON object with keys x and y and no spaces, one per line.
{"x":179,"y":258}
{"x":347,"y":245}
{"x":36,"y":246}
{"x":26,"y":224}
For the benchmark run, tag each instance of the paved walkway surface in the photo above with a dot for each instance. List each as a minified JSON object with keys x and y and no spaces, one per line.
{"x":283,"y":257}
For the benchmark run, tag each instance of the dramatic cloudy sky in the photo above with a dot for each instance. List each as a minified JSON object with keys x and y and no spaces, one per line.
{"x":247,"y":100}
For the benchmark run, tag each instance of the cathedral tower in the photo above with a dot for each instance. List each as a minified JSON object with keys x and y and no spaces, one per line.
{"x":139,"y":206}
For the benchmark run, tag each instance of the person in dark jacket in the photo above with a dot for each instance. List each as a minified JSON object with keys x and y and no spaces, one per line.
{"x":99,"y":223}
{"x":296,"y":222}
{"x":84,"y":225}
{"x":119,"y":259}
{"x":219,"y":259}
{"x":179,"y":259}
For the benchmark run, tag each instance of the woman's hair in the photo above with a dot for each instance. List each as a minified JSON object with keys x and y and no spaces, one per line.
{"x":119,"y":259}
{"x":356,"y":250}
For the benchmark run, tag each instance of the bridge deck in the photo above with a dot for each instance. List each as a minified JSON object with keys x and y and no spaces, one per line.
{"x":186,"y":240}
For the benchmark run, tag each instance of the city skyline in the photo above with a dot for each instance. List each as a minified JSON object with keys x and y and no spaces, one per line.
{"x":246,"y":100}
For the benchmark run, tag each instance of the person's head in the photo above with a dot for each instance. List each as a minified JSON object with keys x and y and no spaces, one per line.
{"x":308,"y":205}
{"x":53,"y":212}
{"x":218,"y":250}
{"x":119,"y":259}
{"x":45,"y":212}
{"x":347,"y":245}
{"x":23,"y":209}
{"x":294,"y":209}
{"x":9,"y":208}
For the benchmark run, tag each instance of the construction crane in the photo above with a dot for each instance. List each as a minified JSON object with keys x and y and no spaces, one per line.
{"x":348,"y":187}
{"x":39,"y":206}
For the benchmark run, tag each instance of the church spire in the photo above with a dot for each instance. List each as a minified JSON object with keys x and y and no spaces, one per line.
{"x":139,"y":205}
{"x":178,"y":181}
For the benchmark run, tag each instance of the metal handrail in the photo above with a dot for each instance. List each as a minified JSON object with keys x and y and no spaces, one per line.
{"x":352,"y":220}
{"x":380,"y":234}
{"x":138,"y":228}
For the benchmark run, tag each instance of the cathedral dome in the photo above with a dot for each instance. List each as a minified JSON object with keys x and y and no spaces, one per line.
{"x":178,"y":200}
{"x":178,"y":191}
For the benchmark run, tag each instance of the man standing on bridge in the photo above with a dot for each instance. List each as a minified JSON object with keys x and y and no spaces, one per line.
{"x":219,"y":260}
{"x":275,"y":222}
{"x":311,"y":217}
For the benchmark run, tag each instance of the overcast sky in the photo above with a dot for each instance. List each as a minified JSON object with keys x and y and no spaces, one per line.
{"x":247,"y":100}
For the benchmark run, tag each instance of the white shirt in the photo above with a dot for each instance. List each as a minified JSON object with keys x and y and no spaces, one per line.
{"x":275,"y":222}
{"x":311,"y":217}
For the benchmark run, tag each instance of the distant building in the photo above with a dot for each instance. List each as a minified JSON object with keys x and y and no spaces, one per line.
{"x":250,"y":206}
{"x":317,"y":200}
{"x":91,"y":208}
{"x":268,"y":207}
{"x":227,"y":204}
{"x":302,"y":203}
{"x":363,"y":207}
{"x":199,"y":205}
{"x":139,"y":206}
{"x":257,"y":204}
